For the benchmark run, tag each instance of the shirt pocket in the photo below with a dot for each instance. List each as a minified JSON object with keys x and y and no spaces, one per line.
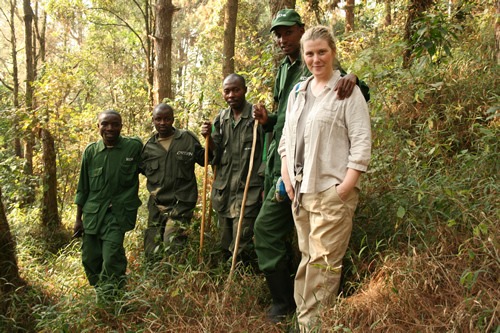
{"x":247,"y":139}
{"x":220,"y":195}
{"x":328,"y":115}
{"x":128,"y":214}
{"x":96,"y":179}
{"x":90,"y":215}
{"x":185,"y":164}
{"x":128,"y":173}
{"x":152,"y":172}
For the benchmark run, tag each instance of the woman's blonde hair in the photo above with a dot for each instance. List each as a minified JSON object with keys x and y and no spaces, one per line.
{"x":318,"y":32}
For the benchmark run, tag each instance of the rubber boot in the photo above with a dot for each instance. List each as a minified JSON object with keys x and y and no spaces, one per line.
{"x":280,"y":285}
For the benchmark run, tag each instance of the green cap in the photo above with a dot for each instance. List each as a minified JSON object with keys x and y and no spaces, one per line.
{"x":286,"y":17}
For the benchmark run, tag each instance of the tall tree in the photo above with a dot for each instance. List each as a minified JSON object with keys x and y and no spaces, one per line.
{"x":349,"y":16}
{"x":497,"y":30}
{"x":163,"y":47}
{"x":9,"y":272}
{"x":415,"y":10}
{"x":50,"y":213}
{"x":138,"y":18}
{"x":10,"y":19}
{"x":388,"y":14}
{"x":277,"y":5}
{"x":230,"y":19}
{"x":315,"y":7}
{"x":30,"y":78}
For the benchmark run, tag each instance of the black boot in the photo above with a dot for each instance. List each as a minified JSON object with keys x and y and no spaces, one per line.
{"x":280,"y":284}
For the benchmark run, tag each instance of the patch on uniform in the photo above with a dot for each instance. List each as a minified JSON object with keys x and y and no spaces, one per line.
{"x":129,"y":159}
{"x":185,"y":153}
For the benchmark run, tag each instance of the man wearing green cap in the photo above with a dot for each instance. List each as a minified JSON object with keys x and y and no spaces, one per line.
{"x":275,"y":223}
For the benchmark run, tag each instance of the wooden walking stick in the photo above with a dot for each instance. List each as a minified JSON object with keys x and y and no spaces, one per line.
{"x":244,"y":200}
{"x":204,"y":201}
{"x":209,"y":221}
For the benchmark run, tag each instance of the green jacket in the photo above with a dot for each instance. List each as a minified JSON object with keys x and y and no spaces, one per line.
{"x":109,"y":181}
{"x":171,"y":180}
{"x":233,"y":144}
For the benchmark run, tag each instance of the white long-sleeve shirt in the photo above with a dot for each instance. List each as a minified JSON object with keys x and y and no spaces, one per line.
{"x":337,"y":136}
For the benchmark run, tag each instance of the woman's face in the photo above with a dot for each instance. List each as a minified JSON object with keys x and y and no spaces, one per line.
{"x":319,"y":57}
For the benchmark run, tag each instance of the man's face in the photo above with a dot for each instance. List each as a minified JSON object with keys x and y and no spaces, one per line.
{"x":163,"y":120}
{"x":234,"y":92}
{"x":110,"y":126}
{"x":288,"y":39}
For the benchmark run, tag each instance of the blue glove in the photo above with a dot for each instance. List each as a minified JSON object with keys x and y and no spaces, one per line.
{"x":280,"y":192}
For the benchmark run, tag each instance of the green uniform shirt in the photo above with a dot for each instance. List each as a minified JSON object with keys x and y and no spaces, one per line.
{"x":109,"y":181}
{"x":288,"y":75}
{"x":171,"y":180}
{"x":233,"y":145}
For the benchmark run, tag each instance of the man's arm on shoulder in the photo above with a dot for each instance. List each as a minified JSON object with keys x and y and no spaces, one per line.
{"x":346,"y":84}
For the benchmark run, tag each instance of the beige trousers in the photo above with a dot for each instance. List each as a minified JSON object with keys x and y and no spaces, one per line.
{"x":324,"y":225}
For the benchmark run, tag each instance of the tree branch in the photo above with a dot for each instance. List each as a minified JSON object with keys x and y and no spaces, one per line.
{"x":6,"y":85}
{"x":125,"y":24}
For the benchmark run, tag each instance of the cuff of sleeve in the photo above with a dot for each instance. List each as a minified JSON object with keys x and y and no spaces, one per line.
{"x":357,"y":166}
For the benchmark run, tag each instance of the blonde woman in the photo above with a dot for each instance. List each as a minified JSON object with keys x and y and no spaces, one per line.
{"x":325,"y":147}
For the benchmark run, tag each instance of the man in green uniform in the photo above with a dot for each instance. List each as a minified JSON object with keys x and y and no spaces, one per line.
{"x":231,"y":143}
{"x":274,"y":223}
{"x":107,"y":198}
{"x":168,"y":160}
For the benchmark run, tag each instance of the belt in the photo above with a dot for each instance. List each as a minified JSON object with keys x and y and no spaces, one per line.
{"x":298,"y":196}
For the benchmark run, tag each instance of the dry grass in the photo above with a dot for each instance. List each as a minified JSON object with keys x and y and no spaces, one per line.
{"x":424,"y":293}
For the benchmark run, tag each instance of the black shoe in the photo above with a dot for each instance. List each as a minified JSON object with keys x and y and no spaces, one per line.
{"x":280,"y":285}
{"x":280,"y":313}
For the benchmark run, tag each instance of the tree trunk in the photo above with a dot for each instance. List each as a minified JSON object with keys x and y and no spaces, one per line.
{"x":388,"y":15}
{"x":230,"y":19}
{"x":15,"y":78}
{"x":349,"y":16}
{"x":30,"y":57}
{"x":9,"y":272}
{"x":415,"y":11}
{"x":50,"y":214}
{"x":315,"y":7}
{"x":497,"y":31}
{"x":277,"y":5}
{"x":182,"y":49}
{"x":163,"y":46}
{"x":30,"y":78}
{"x":149,"y":57}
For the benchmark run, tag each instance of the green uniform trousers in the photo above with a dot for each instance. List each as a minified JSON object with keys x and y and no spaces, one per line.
{"x":272,"y":230}
{"x":166,"y":229}
{"x":103,"y":255}
{"x":228,"y":231}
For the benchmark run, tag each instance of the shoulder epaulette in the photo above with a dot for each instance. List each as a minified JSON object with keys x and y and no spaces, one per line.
{"x":90,"y":145}
{"x":192,"y":135}
{"x":136,"y":138}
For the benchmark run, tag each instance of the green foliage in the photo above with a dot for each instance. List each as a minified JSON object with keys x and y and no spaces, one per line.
{"x":434,"y":36}
{"x":15,"y":184}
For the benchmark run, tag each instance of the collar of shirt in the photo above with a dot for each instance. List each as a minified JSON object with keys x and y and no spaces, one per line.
{"x":101,"y":146}
{"x":176,"y":135}
{"x":329,"y":85}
